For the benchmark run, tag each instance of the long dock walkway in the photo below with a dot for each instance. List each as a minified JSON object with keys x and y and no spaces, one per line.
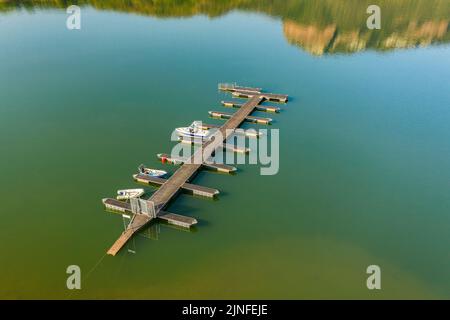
{"x":170,"y":188}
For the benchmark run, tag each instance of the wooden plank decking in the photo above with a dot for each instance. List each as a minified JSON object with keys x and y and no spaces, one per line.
{"x":226,"y":115}
{"x":170,"y":188}
{"x":188,"y":187}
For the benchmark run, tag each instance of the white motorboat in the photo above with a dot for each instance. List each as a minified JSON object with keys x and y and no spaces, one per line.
{"x":193,"y":130}
{"x":151,"y":172}
{"x":127,"y":194}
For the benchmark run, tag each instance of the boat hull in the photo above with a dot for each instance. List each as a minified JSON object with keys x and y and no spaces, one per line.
{"x":199,"y":134}
{"x":129,"y":194}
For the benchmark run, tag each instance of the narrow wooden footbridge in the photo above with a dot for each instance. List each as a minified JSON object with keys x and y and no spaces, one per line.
{"x":144,"y":211}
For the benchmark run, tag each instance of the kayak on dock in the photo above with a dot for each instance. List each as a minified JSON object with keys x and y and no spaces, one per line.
{"x":151,"y":172}
{"x":127,"y":194}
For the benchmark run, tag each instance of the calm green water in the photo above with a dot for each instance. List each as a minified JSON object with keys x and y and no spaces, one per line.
{"x":364,"y":152}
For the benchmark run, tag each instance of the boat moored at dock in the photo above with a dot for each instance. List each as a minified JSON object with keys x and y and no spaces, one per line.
{"x":127,"y":194}
{"x":151,"y":172}
{"x":194,"y":131}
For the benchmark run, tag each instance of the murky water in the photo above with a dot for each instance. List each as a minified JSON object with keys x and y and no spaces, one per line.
{"x":364,"y":148}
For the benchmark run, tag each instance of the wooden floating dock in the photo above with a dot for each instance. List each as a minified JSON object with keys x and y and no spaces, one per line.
{"x":226,"y":146}
{"x":267,"y":96}
{"x":233,"y":104}
{"x":219,"y":167}
{"x":186,"y":187}
{"x":145,"y":211}
{"x":171,"y":218}
{"x":205,"y":126}
{"x":176,"y":219}
{"x":233,"y":87}
{"x":249,"y":92}
{"x":252,"y":133}
{"x":225,"y":115}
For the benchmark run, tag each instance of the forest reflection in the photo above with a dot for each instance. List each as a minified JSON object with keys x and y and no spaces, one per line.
{"x":319,"y":27}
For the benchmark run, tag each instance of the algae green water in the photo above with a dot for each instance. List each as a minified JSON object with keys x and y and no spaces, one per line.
{"x":364,"y":148}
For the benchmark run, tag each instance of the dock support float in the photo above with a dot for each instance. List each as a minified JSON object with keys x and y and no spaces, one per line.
{"x":251,"y":133}
{"x":267,"y":96}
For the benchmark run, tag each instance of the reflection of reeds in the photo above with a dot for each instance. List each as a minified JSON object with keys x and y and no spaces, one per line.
{"x":320,"y":27}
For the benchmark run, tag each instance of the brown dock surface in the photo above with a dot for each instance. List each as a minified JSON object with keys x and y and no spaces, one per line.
{"x":176,"y":219}
{"x":189,"y":187}
{"x":226,"y":115}
{"x":268,"y":96}
{"x":174,"y":184}
{"x":138,"y":221}
{"x":211,"y":166}
{"x":172,"y":218}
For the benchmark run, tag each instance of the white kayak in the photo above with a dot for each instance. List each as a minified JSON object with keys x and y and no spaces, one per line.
{"x":127,"y":194}
{"x":193,"y":131}
{"x":151,"y":172}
